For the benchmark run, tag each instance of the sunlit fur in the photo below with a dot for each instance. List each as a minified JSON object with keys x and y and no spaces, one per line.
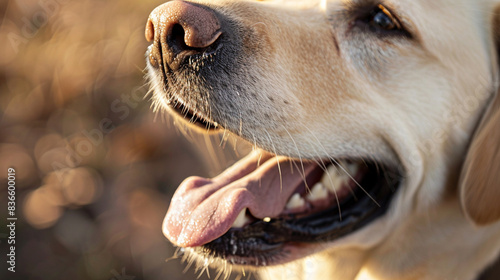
{"x":330,"y":90}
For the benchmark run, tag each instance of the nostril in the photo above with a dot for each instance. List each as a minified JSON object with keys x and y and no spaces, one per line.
{"x":176,"y":39}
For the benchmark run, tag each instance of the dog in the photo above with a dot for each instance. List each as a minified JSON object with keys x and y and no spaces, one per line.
{"x":375,"y":126}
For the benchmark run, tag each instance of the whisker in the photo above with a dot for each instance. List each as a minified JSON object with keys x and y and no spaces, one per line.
{"x":189,"y":264}
{"x":277,"y":160}
{"x":229,"y":271}
{"x":226,"y":270}
{"x":323,"y":167}
{"x":205,"y":268}
{"x":335,"y":161}
{"x":260,"y":158}
{"x":223,"y":139}
{"x":212,"y":154}
{"x":219,"y":273}
{"x":356,"y":182}
{"x":335,"y":193}
{"x":303,"y":174}
{"x":243,"y":272}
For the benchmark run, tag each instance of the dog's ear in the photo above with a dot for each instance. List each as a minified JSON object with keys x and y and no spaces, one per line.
{"x":480,"y":179}
{"x":479,"y":183}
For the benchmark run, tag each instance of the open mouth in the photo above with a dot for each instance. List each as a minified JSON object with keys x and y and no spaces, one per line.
{"x":327,"y":205}
{"x":267,"y":209}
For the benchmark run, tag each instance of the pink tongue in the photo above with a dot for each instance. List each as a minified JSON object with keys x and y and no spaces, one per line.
{"x":204,"y":209}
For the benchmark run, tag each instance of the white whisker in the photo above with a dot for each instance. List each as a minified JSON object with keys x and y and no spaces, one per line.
{"x":277,"y":159}
{"x":303,"y":174}
{"x":335,"y":161}
{"x":356,"y":182}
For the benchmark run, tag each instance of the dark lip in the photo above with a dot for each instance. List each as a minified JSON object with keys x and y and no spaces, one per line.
{"x":192,"y":117}
{"x":270,"y":240}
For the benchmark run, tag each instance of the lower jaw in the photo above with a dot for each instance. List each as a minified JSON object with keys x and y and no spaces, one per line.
{"x":282,"y":240}
{"x":288,"y":252}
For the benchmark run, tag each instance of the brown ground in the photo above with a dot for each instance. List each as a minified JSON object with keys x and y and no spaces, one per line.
{"x":94,"y":169}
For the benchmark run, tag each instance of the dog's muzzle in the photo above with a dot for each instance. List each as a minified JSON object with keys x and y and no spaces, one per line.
{"x":195,"y":55}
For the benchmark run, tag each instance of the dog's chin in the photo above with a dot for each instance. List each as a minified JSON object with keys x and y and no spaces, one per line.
{"x":321,"y":200}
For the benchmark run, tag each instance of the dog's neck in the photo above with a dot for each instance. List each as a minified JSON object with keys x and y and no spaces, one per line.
{"x":412,"y":251}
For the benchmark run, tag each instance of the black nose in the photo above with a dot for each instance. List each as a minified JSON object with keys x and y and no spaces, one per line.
{"x":180,"y":29}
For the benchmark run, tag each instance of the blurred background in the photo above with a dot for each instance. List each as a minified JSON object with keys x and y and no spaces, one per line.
{"x":95,"y":168}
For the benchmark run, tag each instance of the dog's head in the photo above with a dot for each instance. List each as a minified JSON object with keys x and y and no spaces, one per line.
{"x":361,"y":113}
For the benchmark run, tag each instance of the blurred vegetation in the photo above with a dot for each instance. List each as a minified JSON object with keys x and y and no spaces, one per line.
{"x":95,"y":170}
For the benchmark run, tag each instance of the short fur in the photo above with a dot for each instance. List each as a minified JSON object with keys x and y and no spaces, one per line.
{"x":310,"y":83}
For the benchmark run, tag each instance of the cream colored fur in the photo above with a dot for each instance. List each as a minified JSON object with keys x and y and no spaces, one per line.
{"x":414,"y":101}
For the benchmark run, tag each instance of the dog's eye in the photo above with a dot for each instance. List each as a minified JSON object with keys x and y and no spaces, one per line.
{"x":381,"y":21}
{"x":382,"y":18}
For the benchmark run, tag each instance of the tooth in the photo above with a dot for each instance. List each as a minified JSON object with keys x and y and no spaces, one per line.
{"x":332,"y":180}
{"x":241,"y":220}
{"x":318,"y":192}
{"x":329,"y":179}
{"x":334,"y":184}
{"x":267,"y":219}
{"x":296,"y":201}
